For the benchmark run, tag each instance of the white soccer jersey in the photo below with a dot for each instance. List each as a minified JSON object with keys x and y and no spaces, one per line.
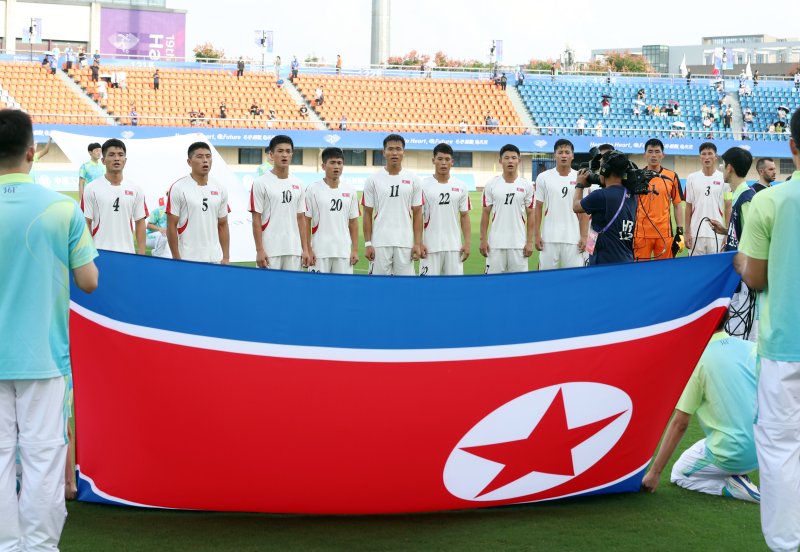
{"x":113,"y":210}
{"x":330,"y":211}
{"x":509,"y":202}
{"x":442,"y":205}
{"x":707,"y":196}
{"x":556,"y":193}
{"x":198,"y":209}
{"x":392,"y":197}
{"x":279,"y":200}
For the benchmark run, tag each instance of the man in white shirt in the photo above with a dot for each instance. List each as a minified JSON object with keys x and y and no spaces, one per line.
{"x":394,"y":239}
{"x":445,"y":210}
{"x":197,"y":212}
{"x":508,"y":201}
{"x":111,"y":205}
{"x":279,"y":210}
{"x":708,"y":198}
{"x":562,"y":240}
{"x":332,"y":213}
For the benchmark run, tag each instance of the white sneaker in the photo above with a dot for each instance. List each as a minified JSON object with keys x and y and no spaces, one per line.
{"x":740,"y":486}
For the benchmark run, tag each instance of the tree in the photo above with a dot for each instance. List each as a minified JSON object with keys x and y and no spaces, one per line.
{"x":206,"y":52}
{"x":539,"y":64}
{"x":412,"y":59}
{"x":622,"y":62}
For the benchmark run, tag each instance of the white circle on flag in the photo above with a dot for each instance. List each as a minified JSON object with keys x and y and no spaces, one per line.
{"x":467,"y":475}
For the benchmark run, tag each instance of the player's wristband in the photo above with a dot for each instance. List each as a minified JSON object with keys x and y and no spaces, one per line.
{"x":368,"y":244}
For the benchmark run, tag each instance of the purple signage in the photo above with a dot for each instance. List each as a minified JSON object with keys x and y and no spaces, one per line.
{"x":155,"y":35}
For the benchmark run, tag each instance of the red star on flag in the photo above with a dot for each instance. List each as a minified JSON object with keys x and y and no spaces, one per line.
{"x":548,"y":448}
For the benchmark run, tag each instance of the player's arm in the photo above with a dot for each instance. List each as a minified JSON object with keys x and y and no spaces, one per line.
{"x":81,"y":184}
{"x":466,"y":230}
{"x":678,"y":203}
{"x":418,"y":251}
{"x":45,"y":149}
{"x":258,"y":236}
{"x":353,"y":227}
{"x":581,"y":182}
{"x":689,"y":212}
{"x":141,"y":236}
{"x":367,"y":224}
{"x":224,"y":232}
{"x":86,"y":277}
{"x":537,"y":225}
{"x":728,"y":203}
{"x":305,"y":241}
{"x":583,"y":224}
{"x":172,"y":235}
{"x":527,"y":251}
{"x":675,"y":431}
{"x":484,"y":231}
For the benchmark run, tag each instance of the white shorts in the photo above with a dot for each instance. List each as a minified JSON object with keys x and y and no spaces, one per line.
{"x":159,"y":245}
{"x":777,"y":433}
{"x":695,"y":472}
{"x":33,"y":413}
{"x":506,"y":260}
{"x":706,"y":246}
{"x":442,"y":263}
{"x":332,"y":265}
{"x":560,"y":255}
{"x":285,"y":262}
{"x":392,"y":261}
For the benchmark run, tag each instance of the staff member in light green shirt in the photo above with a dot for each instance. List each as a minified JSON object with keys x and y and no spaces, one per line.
{"x":721,"y":393}
{"x":769,"y":260}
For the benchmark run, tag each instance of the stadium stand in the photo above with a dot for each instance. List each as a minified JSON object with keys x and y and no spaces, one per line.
{"x":557,"y":104}
{"x":435,"y":105}
{"x":46,"y":97}
{"x":182,"y":91}
{"x":764,"y":103}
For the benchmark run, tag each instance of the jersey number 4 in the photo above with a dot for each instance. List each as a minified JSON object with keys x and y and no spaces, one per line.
{"x":116,"y":205}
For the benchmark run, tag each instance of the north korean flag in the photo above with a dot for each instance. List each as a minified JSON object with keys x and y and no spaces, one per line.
{"x":369,"y":410}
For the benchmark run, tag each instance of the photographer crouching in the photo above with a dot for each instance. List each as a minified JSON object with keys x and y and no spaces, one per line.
{"x":612,"y":208}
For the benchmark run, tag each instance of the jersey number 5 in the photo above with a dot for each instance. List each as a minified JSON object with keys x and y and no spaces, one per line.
{"x":205,"y":204}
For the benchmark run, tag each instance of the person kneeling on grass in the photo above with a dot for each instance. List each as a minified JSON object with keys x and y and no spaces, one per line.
{"x":722,"y":392}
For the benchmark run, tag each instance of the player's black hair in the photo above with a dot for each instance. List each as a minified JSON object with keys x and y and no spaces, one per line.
{"x":93,"y":146}
{"x":443,"y":148}
{"x":794,"y":127}
{"x":654,"y":143}
{"x":740,"y":159}
{"x":394,"y":138}
{"x":509,"y":147}
{"x":332,"y":153}
{"x":707,"y":145}
{"x":278,"y":140}
{"x":563,"y":142}
{"x":763,"y":161}
{"x":16,"y":136}
{"x":196,"y":146}
{"x":614,"y":162}
{"x":113,"y":143}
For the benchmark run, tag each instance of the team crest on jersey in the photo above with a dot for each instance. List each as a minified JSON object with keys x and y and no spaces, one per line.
{"x":214,"y":192}
{"x":129,"y":192}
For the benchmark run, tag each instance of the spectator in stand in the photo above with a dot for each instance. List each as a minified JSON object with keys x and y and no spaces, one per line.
{"x":134,"y":116}
{"x":95,"y":71}
{"x":726,"y":119}
{"x":520,"y":76}
{"x":277,"y":67}
{"x":463,"y":126}
{"x":272,"y":115}
{"x":598,"y":129}
{"x":343,"y":123}
{"x":52,"y":65}
{"x":605,"y":103}
{"x":255,"y":109}
{"x":553,"y":71}
{"x":640,"y":95}
{"x":581,"y":125}
{"x":82,"y":58}
{"x":239,"y":67}
{"x":295,"y":66}
{"x":636,"y":111}
{"x":608,"y":76}
{"x":193,"y":117}
{"x":756,"y":76}
{"x":319,"y":96}
{"x":338,"y":64}
{"x":102,"y":90}
{"x":96,"y":57}
{"x":68,"y":57}
{"x":201,"y":118}
{"x":648,"y":110}
{"x":303,"y":111}
{"x":223,"y":110}
{"x":688,"y":77}
{"x":156,"y":80}
{"x":503,"y":81}
{"x":797,"y":80}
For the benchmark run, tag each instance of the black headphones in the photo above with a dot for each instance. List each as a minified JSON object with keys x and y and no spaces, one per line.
{"x":614,"y":162}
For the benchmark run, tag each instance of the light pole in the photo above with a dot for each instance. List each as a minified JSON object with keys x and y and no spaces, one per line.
{"x":31,"y":30}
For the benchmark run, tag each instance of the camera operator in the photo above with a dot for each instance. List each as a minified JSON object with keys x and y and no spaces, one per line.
{"x":612,"y":208}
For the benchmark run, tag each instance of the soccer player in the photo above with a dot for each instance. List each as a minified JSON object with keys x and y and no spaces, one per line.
{"x":445,"y":211}
{"x":34,"y":349}
{"x":332,"y":211}
{"x":562,"y":240}
{"x":110,"y":204}
{"x":393,"y":239}
{"x":722,"y":392}
{"x":508,"y":201}
{"x":769,"y":260}
{"x":197,"y":212}
{"x":92,"y":169}
{"x":706,"y":196}
{"x":653,"y":238}
{"x":279,"y":212}
{"x":767,"y":173}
